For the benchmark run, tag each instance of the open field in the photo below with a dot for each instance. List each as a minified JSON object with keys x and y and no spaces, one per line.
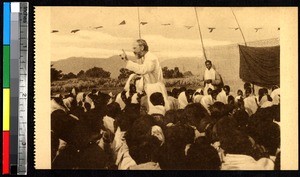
{"x":115,"y":85}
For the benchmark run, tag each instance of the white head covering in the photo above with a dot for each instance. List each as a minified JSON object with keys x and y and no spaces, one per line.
{"x":197,"y":98}
{"x":157,"y":131}
{"x":207,"y":101}
{"x":120,"y":101}
{"x":250,"y":105}
{"x":68,"y":102}
{"x":182,"y":100}
{"x":157,"y":87}
{"x":222,"y":97}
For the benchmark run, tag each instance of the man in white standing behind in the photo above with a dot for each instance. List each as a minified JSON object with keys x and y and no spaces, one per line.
{"x":148,"y":67}
{"x":211,"y":77}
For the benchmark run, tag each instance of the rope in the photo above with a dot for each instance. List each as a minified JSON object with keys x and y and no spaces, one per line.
{"x":239,"y":26}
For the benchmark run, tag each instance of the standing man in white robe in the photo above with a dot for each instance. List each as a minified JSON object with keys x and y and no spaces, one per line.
{"x":211,"y":77}
{"x":148,"y":67}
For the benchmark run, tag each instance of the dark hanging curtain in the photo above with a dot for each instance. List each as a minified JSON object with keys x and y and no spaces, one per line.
{"x":260,"y":65}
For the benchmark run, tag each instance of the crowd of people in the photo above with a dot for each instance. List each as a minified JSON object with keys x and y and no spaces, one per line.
{"x":146,"y":127}
{"x":192,"y":130}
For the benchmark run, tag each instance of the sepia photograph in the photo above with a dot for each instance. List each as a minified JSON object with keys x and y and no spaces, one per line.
{"x":162,"y":88}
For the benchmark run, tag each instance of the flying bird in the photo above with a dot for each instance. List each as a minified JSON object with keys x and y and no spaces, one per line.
{"x":211,"y":29}
{"x":98,"y":27}
{"x":256,"y":29}
{"x":234,"y":28}
{"x":278,"y":28}
{"x":188,"y":27}
{"x":54,"y":31}
{"x":166,"y":24}
{"x":144,"y":23}
{"x":75,"y":31}
{"x":123,"y":22}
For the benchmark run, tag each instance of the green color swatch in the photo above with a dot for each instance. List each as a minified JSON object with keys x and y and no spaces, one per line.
{"x":6,"y":66}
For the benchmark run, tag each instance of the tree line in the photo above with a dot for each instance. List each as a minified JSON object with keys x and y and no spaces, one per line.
{"x":97,"y":72}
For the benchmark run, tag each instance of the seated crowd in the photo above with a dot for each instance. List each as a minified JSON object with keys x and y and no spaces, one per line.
{"x":135,"y":131}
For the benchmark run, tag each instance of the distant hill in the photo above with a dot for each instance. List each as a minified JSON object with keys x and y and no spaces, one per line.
{"x":75,"y":64}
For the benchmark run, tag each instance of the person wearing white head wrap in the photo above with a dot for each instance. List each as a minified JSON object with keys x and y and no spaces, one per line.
{"x":68,"y":102}
{"x":264,"y":102}
{"x":250,"y":102}
{"x":182,"y":100}
{"x":157,"y":87}
{"x":173,"y":102}
{"x":56,"y":103}
{"x":207,"y":101}
{"x":120,"y":101}
{"x":275,"y":95}
{"x":197,"y":96}
{"x":222,"y":97}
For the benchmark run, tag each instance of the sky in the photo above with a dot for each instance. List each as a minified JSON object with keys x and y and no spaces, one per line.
{"x":166,"y":41}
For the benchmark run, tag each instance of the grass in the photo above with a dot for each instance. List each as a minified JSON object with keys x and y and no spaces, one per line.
{"x":116,"y":86}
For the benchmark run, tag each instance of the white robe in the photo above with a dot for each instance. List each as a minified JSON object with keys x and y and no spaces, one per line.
{"x":152,"y":75}
{"x":209,"y":74}
{"x":149,"y":68}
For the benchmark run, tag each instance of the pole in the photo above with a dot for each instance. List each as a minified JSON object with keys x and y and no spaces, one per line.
{"x":239,"y":26}
{"x":139,"y":22}
{"x":200,"y":34}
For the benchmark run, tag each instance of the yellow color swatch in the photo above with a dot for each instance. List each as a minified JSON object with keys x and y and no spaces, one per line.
{"x":6,"y":109}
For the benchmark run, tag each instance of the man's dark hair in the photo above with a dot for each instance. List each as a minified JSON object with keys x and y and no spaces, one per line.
{"x":217,"y":110}
{"x":143,"y":43}
{"x":143,"y":147}
{"x":275,"y":87}
{"x":193,"y":113}
{"x":227,"y":87}
{"x":202,"y":156}
{"x":207,"y":61}
{"x":157,"y":99}
{"x":173,"y":151}
{"x":113,"y":109}
{"x":248,"y":90}
{"x":232,"y":140}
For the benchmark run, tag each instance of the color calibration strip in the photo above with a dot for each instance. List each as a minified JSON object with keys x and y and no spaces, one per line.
{"x":6,"y":89}
{"x":15,"y":64}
